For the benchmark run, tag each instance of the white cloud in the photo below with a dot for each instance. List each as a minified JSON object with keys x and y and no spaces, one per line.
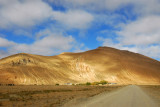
{"x":152,"y":51}
{"x":143,"y":31}
{"x":143,"y":7}
{"x":50,"y":44}
{"x":55,"y":41}
{"x":24,"y":13}
{"x":73,"y":19}
{"x":5,"y":43}
{"x":29,"y":13}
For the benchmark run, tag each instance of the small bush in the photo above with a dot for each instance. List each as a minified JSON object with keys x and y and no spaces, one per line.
{"x":81,"y":84}
{"x":88,"y":83}
{"x":95,"y":83}
{"x":57,"y":84}
{"x":103,"y":82}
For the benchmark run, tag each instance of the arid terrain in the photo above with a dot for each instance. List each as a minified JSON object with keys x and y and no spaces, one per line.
{"x":48,"y":96}
{"x":103,"y":63}
{"x":80,"y":96}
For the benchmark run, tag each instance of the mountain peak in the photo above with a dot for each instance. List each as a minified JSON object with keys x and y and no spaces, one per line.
{"x":103,"y":63}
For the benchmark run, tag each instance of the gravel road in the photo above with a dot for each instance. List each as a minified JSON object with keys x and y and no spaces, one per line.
{"x":129,"y":96}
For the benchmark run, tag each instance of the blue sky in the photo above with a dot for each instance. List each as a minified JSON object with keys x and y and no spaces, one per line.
{"x":49,"y":27}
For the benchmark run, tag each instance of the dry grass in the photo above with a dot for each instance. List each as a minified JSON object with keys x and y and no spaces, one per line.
{"x":48,"y":96}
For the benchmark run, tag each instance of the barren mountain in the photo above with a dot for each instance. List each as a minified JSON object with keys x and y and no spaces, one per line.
{"x":103,"y":63}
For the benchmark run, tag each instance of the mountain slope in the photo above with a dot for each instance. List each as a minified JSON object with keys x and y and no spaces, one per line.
{"x":103,"y":63}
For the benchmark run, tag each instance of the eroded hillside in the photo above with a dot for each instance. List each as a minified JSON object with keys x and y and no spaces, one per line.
{"x":103,"y":63}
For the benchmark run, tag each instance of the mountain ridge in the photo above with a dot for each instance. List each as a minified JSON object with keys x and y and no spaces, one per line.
{"x":103,"y":63}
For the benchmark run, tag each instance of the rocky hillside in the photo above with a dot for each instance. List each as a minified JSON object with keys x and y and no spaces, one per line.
{"x":103,"y":63}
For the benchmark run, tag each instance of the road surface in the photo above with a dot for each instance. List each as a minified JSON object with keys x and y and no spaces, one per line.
{"x":129,"y":96}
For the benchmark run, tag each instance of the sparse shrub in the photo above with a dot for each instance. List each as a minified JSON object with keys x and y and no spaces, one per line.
{"x":103,"y":82}
{"x":88,"y":83}
{"x":95,"y":83}
{"x":57,"y":84}
{"x":80,"y":84}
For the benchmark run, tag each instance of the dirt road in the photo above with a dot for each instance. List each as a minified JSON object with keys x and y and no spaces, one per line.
{"x":129,"y":96}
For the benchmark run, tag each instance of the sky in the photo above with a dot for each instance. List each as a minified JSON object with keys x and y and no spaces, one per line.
{"x":50,"y":27}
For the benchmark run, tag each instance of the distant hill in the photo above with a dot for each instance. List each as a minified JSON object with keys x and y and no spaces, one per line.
{"x":103,"y":63}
